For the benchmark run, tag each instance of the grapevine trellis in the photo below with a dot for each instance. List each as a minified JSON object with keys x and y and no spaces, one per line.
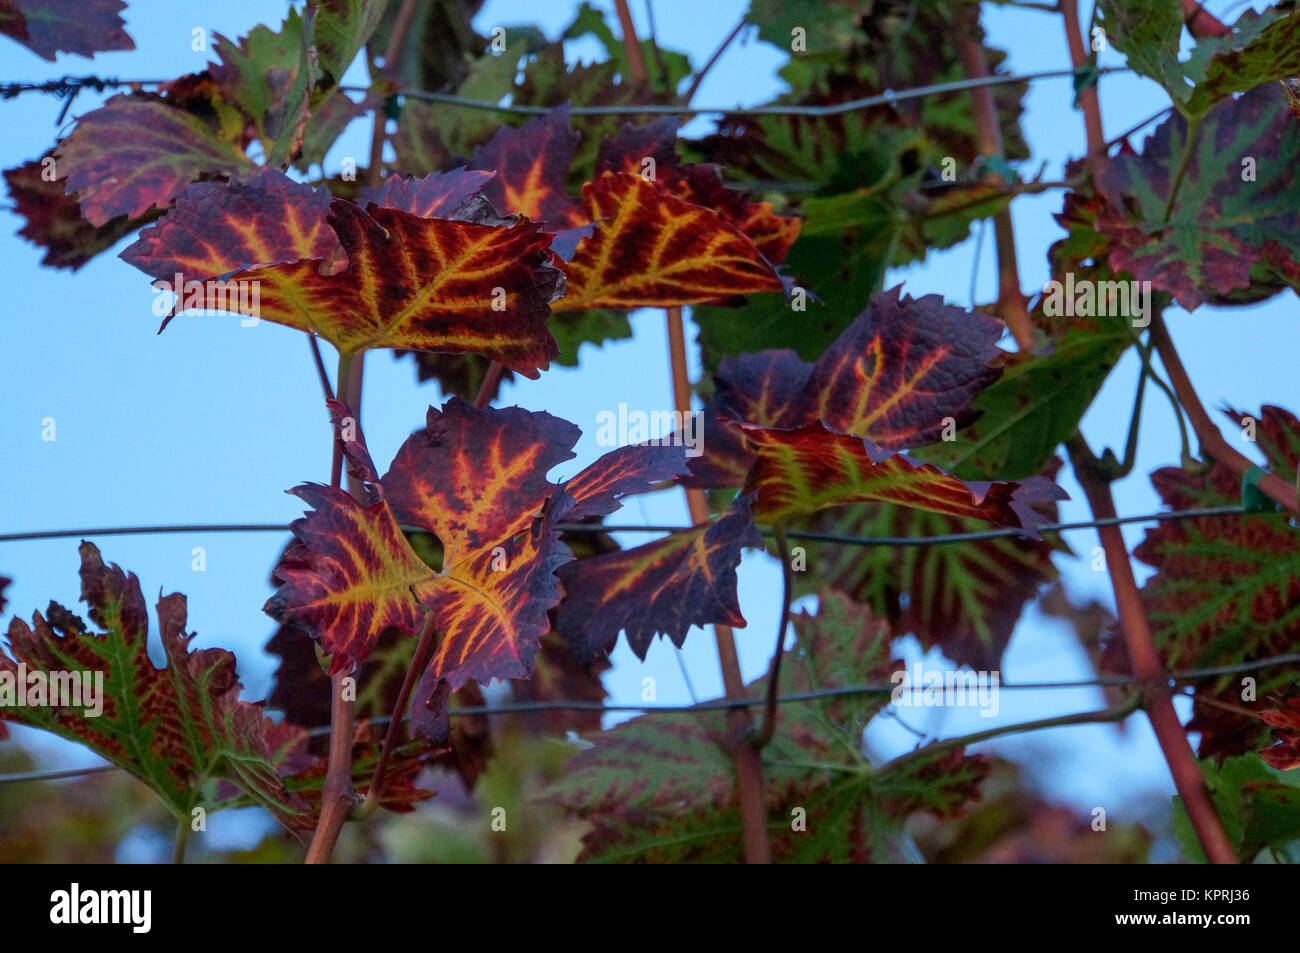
{"x":810,"y":428}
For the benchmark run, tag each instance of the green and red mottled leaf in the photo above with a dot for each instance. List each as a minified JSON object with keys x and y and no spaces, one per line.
{"x":54,"y":219}
{"x":177,"y":728}
{"x":270,"y":76}
{"x":419,"y":283}
{"x":342,"y":29}
{"x":1285,"y":754}
{"x":653,"y":250}
{"x":964,"y":598}
{"x":660,"y":788}
{"x":1231,"y":234}
{"x":664,"y":587}
{"x":532,"y":168}
{"x":1226,"y":589}
{"x":139,"y":152}
{"x":50,"y":27}
{"x":216,"y":228}
{"x":809,"y":468}
{"x":1257,"y":49}
{"x":349,"y":577}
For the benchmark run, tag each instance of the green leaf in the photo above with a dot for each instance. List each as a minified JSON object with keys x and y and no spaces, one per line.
{"x":1258,"y":805}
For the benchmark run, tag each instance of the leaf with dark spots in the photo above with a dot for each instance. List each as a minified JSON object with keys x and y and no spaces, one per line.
{"x":1226,"y":589}
{"x":1231,"y":232}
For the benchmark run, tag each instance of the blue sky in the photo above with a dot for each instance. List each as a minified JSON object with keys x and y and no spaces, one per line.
{"x":210,"y":422}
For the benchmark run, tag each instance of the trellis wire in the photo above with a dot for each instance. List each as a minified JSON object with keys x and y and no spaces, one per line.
{"x":809,"y":536}
{"x":69,"y":86}
{"x":721,"y":704}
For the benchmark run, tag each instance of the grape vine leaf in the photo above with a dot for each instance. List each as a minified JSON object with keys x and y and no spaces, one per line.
{"x":651,"y":152}
{"x":54,"y":219}
{"x":1256,"y":803}
{"x":1233,"y":224}
{"x":1226,"y":589}
{"x":532,"y":167}
{"x":207,"y":232}
{"x":177,"y":729}
{"x":1259,"y":48}
{"x":812,"y":467}
{"x":664,"y":587}
{"x":653,"y":250}
{"x":138,"y":152}
{"x":1285,"y":754}
{"x":417,"y":283}
{"x":269,"y":76}
{"x":678,"y":804}
{"x":353,"y":574}
{"x":50,"y":27}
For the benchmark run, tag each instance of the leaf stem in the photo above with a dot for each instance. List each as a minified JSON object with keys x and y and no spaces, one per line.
{"x":1185,"y":160}
{"x":988,"y":136}
{"x":774,"y":671}
{"x":746,"y":758}
{"x":1131,"y":703}
{"x":182,"y":840}
{"x":423,"y":651}
{"x":1212,"y":441}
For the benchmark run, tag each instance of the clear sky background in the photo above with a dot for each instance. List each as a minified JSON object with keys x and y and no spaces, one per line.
{"x":210,"y":422}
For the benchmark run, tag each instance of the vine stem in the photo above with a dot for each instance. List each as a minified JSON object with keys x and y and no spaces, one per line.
{"x":988,"y":137}
{"x":182,"y":840}
{"x":1211,"y":439}
{"x":423,"y":652}
{"x":746,"y":758}
{"x":1088,"y":101}
{"x":774,"y":671}
{"x":1148,"y":669}
{"x":338,"y":798}
{"x":1117,"y":713}
{"x":337,"y":795}
{"x":744,"y":755}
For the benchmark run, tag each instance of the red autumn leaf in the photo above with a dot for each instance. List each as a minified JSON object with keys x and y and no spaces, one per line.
{"x":664,"y":587}
{"x":349,"y":576}
{"x":532,"y":166}
{"x":54,"y":219}
{"x":50,"y":27}
{"x":412,"y":282}
{"x":700,"y":184}
{"x":477,"y":481}
{"x":649,"y":249}
{"x":138,"y":152}
{"x":902,"y":372}
{"x":1285,"y":754}
{"x":436,"y":195}
{"x":216,"y":228}
{"x":810,"y":468}
{"x":903,"y":367}
{"x":174,"y":728}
